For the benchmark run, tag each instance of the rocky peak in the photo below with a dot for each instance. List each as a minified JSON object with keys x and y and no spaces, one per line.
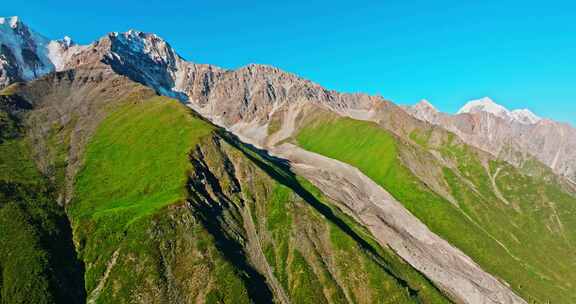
{"x":143,"y":57}
{"x":146,"y":44}
{"x":493,"y":128}
{"x":23,"y":53}
{"x":423,"y":110}
{"x":150,"y":60}
{"x":425,"y":105}
{"x":66,"y":41}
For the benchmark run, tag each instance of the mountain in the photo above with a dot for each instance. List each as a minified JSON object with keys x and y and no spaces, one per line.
{"x":487,"y":105}
{"x":425,"y":110}
{"x":424,"y":156}
{"x":255,"y":185}
{"x":26,"y":55}
{"x":205,"y":218}
{"x":517,"y":136}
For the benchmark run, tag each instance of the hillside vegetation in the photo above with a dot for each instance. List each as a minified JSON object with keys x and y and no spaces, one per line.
{"x":191,"y":214}
{"x":518,"y":228}
{"x":37,"y":260}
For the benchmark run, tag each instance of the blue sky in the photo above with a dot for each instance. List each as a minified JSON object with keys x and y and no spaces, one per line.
{"x":520,"y":53}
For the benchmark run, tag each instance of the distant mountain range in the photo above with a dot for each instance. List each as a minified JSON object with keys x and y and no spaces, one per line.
{"x":129,"y":174}
{"x":515,"y":136}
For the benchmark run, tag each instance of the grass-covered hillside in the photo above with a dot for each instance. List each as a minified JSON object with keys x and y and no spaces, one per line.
{"x":169,"y":209}
{"x":111,"y":194}
{"x":134,"y":165}
{"x":37,"y":260}
{"x":517,"y":227}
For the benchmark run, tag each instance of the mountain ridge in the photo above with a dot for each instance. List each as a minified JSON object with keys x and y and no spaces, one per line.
{"x":282,"y":113}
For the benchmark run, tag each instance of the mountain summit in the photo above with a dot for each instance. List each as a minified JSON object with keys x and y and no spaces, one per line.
{"x":425,"y":104}
{"x":488,"y":105}
{"x":485,"y":104}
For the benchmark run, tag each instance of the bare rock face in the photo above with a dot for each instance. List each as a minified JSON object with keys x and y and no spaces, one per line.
{"x":425,"y":110}
{"x":514,"y":136}
{"x":246,"y":99}
{"x":146,"y":59}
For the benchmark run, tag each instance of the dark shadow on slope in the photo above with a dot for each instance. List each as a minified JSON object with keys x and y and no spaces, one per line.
{"x":46,"y":222}
{"x":287,"y":178}
{"x":211,"y":214}
{"x":46,"y":228}
{"x":69,"y":269}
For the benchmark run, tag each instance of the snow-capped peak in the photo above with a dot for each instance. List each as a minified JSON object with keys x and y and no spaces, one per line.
{"x":487,"y":105}
{"x":525,"y":116}
{"x":146,"y":43}
{"x":14,"y":21}
{"x":67,"y":41}
{"x":143,"y":53}
{"x":33,"y":54}
{"x":26,"y":46}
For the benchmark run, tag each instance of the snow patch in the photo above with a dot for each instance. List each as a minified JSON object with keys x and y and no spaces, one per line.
{"x":487,"y":105}
{"x":10,"y":21}
{"x":525,"y":116}
{"x":35,"y":54}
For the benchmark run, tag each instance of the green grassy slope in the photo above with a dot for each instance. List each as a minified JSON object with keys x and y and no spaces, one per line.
{"x":37,"y":260}
{"x":515,"y":241}
{"x":307,"y":241}
{"x":137,"y":160}
{"x":140,"y":239}
{"x":135,"y":165}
